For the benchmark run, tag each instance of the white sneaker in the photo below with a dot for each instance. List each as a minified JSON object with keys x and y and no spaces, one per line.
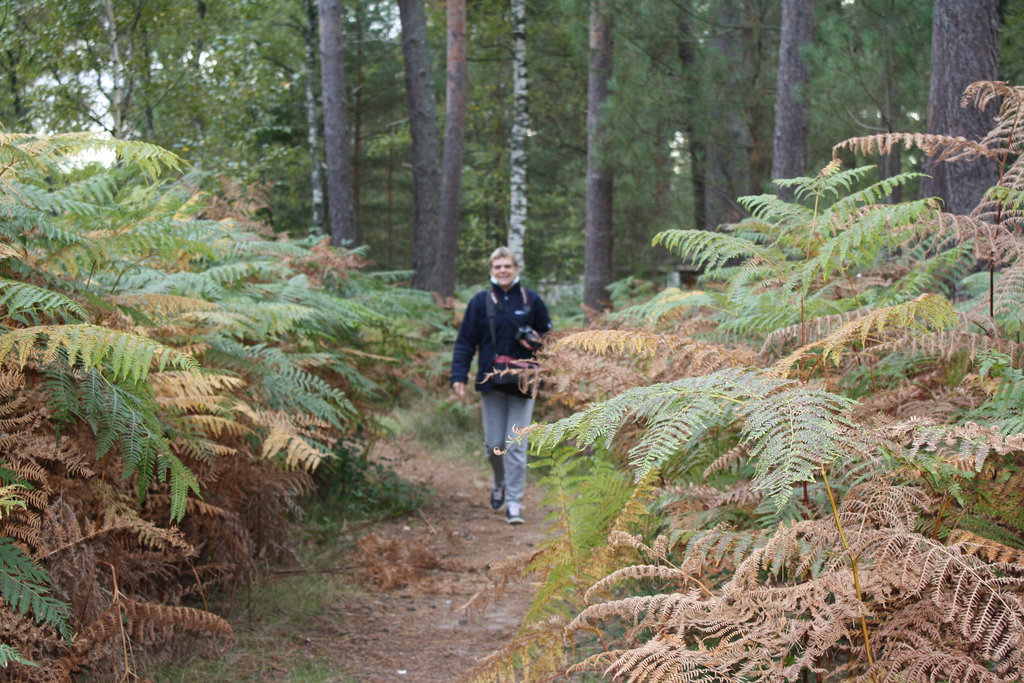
{"x":514,"y":513}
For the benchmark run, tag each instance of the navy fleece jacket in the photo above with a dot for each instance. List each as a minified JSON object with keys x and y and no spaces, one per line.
{"x":475,"y":333}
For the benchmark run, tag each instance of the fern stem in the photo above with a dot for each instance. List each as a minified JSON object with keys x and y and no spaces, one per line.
{"x":600,"y":636}
{"x":942,"y":509}
{"x":856,"y":575}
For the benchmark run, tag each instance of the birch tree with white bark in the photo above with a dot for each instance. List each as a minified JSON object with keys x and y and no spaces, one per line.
{"x":313,"y":120}
{"x":517,"y":141}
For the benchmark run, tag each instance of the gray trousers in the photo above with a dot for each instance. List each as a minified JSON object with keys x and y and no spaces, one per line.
{"x":501,"y":414}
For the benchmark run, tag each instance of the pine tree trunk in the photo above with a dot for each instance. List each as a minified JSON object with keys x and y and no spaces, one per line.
{"x":340,"y":212}
{"x":964,"y":50}
{"x":451,"y":161}
{"x":357,"y":105}
{"x":889,"y":165}
{"x":789,"y":151}
{"x":597,"y":253}
{"x":426,"y":149}
{"x":727,"y":144}
{"x":517,"y":141}
{"x":686,"y":47}
{"x":312,"y":122}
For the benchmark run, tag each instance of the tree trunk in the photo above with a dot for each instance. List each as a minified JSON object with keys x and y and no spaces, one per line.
{"x":727,"y":141}
{"x":597,"y":252}
{"x":426,"y":153}
{"x":340,"y":212}
{"x":687,"y":51}
{"x":964,"y":50}
{"x":357,"y":105}
{"x":517,"y":141}
{"x":890,"y":165}
{"x":789,"y":151}
{"x":120,"y":92}
{"x":451,"y":162}
{"x":312,"y":122}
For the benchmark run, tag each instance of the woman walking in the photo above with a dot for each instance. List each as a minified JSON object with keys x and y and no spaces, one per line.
{"x":504,"y":320}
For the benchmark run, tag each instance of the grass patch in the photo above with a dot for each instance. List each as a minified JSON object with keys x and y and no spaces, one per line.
{"x":350,"y":487}
{"x":451,"y":427}
{"x":282,"y":633}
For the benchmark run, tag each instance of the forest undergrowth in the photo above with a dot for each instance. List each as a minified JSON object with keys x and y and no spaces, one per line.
{"x":807,"y":467}
{"x":172,"y":378}
{"x":377,"y":593}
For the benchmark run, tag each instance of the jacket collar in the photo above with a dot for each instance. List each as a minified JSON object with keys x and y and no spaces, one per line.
{"x":497,"y":294}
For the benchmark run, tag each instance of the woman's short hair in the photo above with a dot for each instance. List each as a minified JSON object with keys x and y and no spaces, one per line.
{"x":503,"y":252}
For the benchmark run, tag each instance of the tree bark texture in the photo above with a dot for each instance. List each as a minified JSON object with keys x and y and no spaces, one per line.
{"x":597,"y":252}
{"x":426,"y":146}
{"x":120,"y":93}
{"x":313,"y":122}
{"x":688,"y":59}
{"x":517,"y":141}
{"x":451,"y":161}
{"x":728,"y":159}
{"x":964,"y":50}
{"x":789,"y":151}
{"x":340,"y":211}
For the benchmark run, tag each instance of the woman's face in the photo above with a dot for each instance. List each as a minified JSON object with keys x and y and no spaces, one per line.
{"x":504,"y":271}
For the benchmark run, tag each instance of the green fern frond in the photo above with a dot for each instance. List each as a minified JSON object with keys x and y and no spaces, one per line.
{"x":874,"y":194}
{"x":926,"y":312}
{"x":35,"y":229}
{"x":670,"y":303}
{"x":283,"y":381}
{"x":182,"y":480}
{"x":25,"y":586}
{"x":267,"y":319}
{"x":25,"y":152}
{"x":793,"y":435}
{"x":771,"y":214}
{"x":127,"y":355}
{"x":830,"y":181}
{"x":229,"y":274}
{"x":930,"y":274}
{"x":711,"y":250}
{"x":790,"y":432}
{"x":9,"y":654}
{"x":1010,"y":198}
{"x":1005,"y":407}
{"x":163,"y":237}
{"x":9,"y":498}
{"x":82,"y":200}
{"x":21,"y":298}
{"x":585,"y":495}
{"x":858,"y":242}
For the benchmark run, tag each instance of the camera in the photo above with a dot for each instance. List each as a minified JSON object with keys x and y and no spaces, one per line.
{"x":528,"y":337}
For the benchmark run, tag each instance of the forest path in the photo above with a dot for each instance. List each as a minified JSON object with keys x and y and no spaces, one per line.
{"x":376,"y":602}
{"x":416,"y":632}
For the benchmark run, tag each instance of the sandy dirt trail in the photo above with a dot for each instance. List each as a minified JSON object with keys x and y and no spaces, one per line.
{"x":416,"y":632}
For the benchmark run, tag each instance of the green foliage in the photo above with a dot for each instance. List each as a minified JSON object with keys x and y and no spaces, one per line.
{"x":1005,"y":407}
{"x":784,"y":496}
{"x":25,"y":587}
{"x":126,"y":356}
{"x":213,"y":366}
{"x":587,"y":495}
{"x":10,"y":654}
{"x":351,"y":487}
{"x":791,"y":433}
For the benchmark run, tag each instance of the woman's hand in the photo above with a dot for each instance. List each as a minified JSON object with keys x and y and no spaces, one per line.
{"x":459,"y":388}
